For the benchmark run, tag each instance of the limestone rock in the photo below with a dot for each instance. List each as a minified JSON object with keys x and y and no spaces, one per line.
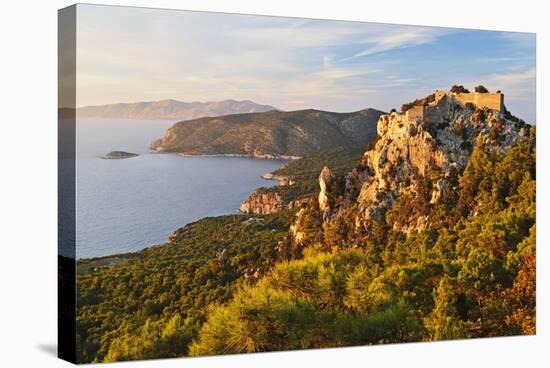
{"x":306,"y":226}
{"x":441,"y":189}
{"x":297,"y":233}
{"x":326,"y":195}
{"x":441,"y":140}
{"x":354,"y":180}
{"x":262,"y":202}
{"x":434,"y":144}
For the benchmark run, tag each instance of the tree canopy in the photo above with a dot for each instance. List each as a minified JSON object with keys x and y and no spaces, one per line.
{"x":224,"y":285}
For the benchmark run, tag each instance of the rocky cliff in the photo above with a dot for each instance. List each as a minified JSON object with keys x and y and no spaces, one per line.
{"x":414,"y":158}
{"x":298,"y":180}
{"x":272,"y":134}
{"x":326,"y":194}
{"x":436,"y":148}
{"x":265,"y":201}
{"x":262,"y":202}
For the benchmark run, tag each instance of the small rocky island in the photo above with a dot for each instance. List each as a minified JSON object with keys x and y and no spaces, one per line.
{"x":118,"y":155}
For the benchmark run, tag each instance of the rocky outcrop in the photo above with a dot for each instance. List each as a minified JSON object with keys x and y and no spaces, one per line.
{"x":326,"y":195}
{"x":282,"y":179}
{"x":263,"y":202}
{"x":434,"y":146}
{"x":441,"y":190}
{"x":438,"y":144}
{"x":298,"y":232}
{"x":306,"y":227}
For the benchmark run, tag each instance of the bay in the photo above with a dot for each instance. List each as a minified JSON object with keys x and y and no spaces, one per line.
{"x":125,"y":205}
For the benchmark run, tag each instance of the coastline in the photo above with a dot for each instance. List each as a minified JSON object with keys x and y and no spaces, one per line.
{"x":282,"y":179}
{"x":266,"y":156}
{"x":117,"y":258}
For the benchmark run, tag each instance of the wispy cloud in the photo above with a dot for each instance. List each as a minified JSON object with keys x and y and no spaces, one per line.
{"x":519,"y":88}
{"x":133,"y":54}
{"x":519,"y":39}
{"x":401,"y":37}
{"x":513,"y":79}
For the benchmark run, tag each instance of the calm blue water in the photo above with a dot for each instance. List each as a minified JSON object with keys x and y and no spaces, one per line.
{"x":129,"y":204}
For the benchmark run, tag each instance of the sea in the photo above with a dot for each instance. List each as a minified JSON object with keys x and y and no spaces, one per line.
{"x":124,"y":205}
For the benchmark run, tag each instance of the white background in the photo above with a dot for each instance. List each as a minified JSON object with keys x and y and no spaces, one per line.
{"x":28,"y":182}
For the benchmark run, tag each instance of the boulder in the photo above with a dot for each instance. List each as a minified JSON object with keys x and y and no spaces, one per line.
{"x":326,"y":194}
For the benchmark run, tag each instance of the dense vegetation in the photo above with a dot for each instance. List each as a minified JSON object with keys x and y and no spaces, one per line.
{"x":471,"y":274}
{"x":418,"y":102}
{"x":481,"y":89}
{"x":151,"y":305}
{"x":459,"y":89}
{"x":275,"y":133}
{"x":228,"y":285}
{"x":305,"y":171}
{"x":341,"y":160}
{"x":319,"y":301}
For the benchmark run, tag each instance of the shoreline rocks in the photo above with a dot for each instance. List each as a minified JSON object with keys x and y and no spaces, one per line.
{"x":264,"y":201}
{"x":282,"y":179}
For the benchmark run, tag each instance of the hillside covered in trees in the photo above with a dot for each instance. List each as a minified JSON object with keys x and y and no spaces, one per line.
{"x":429,"y":236}
{"x":270,"y":134}
{"x":468,"y":275}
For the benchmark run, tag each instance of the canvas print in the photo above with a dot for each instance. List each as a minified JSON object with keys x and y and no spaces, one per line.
{"x":240,"y":183}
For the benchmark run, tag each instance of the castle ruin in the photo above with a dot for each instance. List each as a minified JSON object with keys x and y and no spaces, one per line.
{"x":493,"y":101}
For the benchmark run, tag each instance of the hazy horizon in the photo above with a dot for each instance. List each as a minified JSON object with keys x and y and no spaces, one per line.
{"x":127,"y":55}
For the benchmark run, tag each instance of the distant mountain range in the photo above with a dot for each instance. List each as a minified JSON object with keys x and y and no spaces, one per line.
{"x":171,"y":109}
{"x":270,"y":134}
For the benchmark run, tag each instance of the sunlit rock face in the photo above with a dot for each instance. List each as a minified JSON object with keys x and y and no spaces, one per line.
{"x":434,"y":144}
{"x":326,"y":195}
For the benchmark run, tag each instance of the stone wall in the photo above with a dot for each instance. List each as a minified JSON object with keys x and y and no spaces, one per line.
{"x":415,"y":113}
{"x":494,"y":101}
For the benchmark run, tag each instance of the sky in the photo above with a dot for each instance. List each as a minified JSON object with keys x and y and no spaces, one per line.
{"x":138,"y":54}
